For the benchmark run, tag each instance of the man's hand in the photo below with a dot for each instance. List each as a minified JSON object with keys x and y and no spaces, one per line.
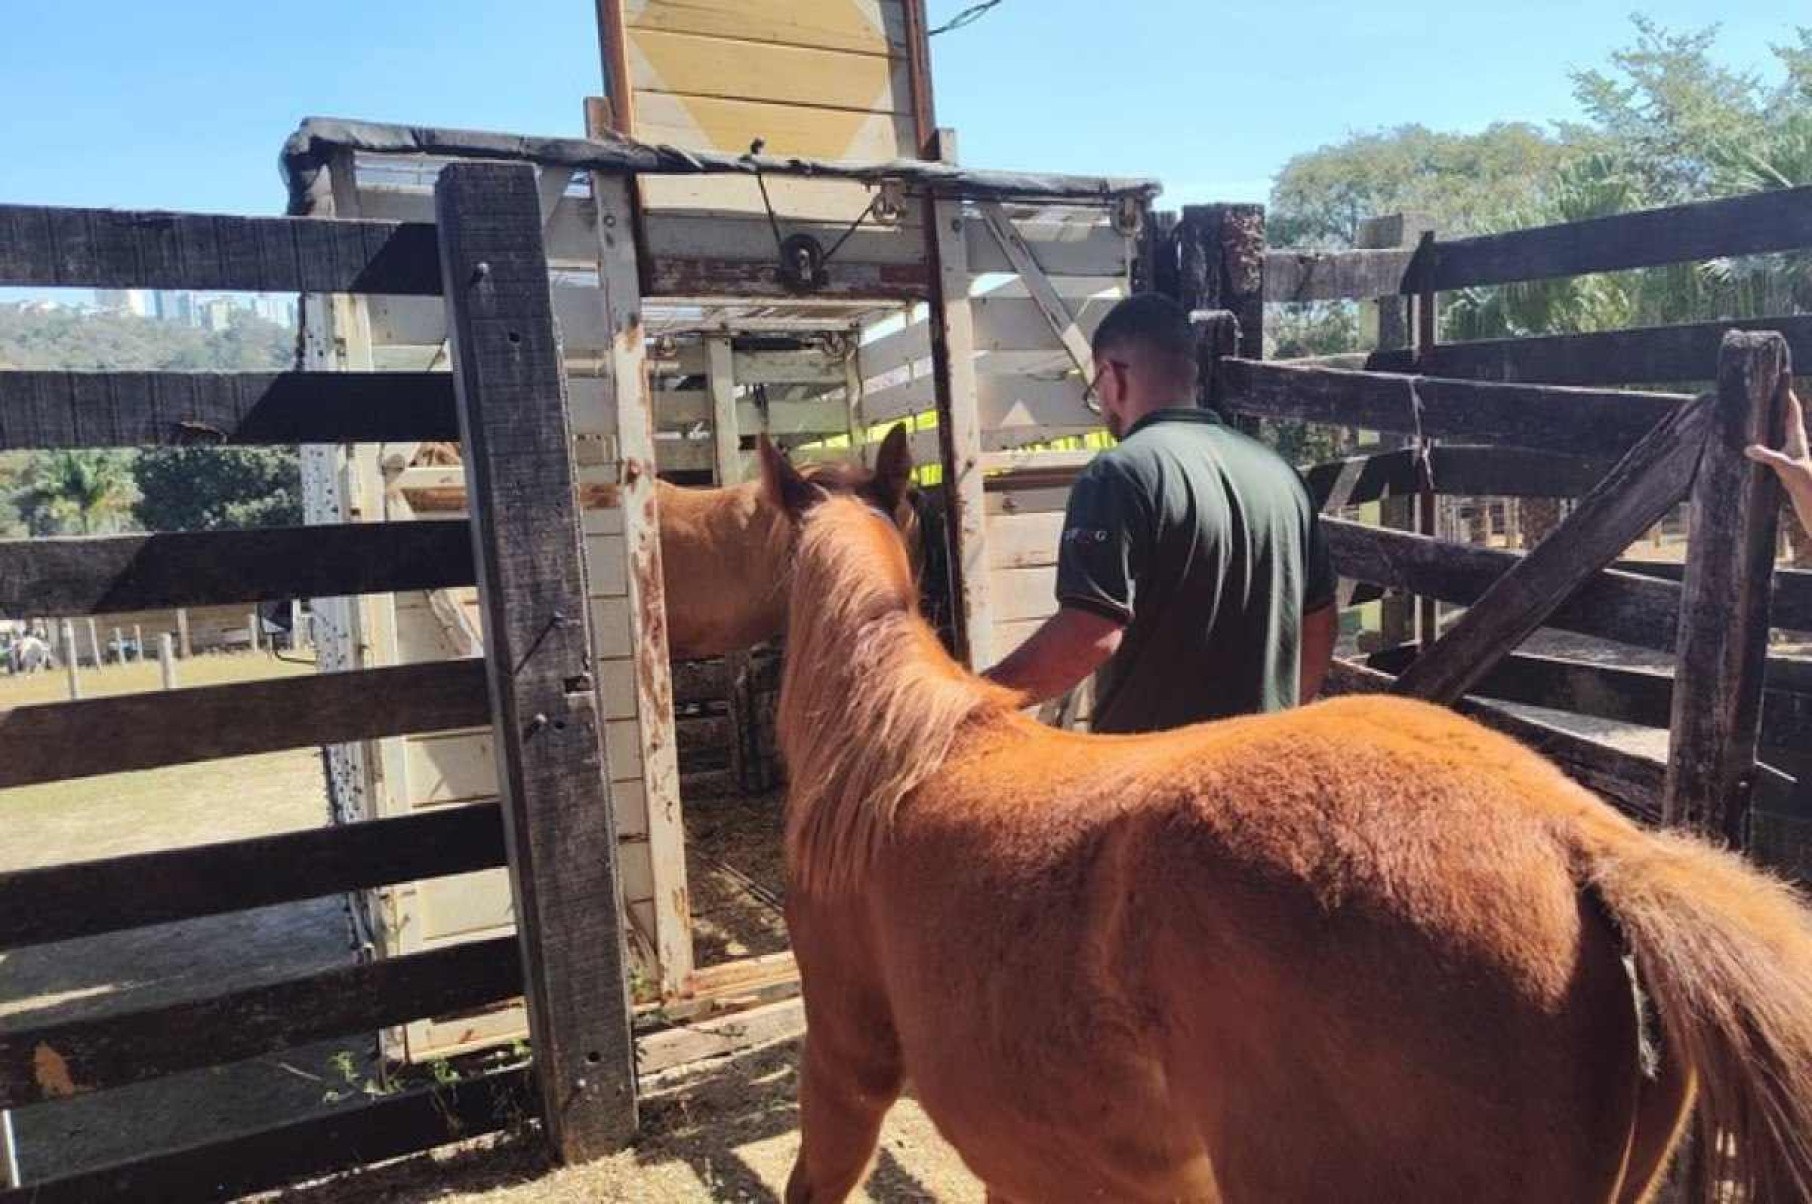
{"x":1071,"y":644}
{"x":1791,"y":462}
{"x":1320,"y":630}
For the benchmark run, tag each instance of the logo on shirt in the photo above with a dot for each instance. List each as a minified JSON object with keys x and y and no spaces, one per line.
{"x":1084,"y":535}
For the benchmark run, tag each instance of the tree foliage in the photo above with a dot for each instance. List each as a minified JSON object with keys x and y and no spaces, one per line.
{"x":173,"y":489}
{"x":210,"y":489}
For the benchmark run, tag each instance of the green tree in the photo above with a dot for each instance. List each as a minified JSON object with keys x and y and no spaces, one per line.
{"x":216,"y":488}
{"x":79,"y":492}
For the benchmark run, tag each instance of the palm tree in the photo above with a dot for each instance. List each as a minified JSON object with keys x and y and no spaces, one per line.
{"x":77,"y":490}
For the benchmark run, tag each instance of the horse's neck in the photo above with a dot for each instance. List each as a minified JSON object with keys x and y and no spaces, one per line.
{"x":724,"y":565}
{"x":870,"y":707}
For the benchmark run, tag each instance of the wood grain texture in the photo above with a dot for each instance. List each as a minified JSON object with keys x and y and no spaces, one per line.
{"x":1724,"y":600}
{"x":1644,"y":485}
{"x":179,"y":727}
{"x":1583,"y":422}
{"x":114,"y":249}
{"x":118,"y":573}
{"x":1645,"y":355}
{"x":55,"y":1061}
{"x":367,"y":1133}
{"x":60,"y":902}
{"x":178,"y":409}
{"x":560,"y":824}
{"x":1777,"y":220}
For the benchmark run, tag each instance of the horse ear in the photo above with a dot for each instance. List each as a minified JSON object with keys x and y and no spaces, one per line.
{"x":893,"y":466}
{"x":782,"y":484}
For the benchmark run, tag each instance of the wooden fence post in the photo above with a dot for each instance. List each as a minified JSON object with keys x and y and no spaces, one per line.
{"x":138,"y":643}
{"x":559,"y":818}
{"x":69,"y":659}
{"x":94,"y":644}
{"x":1724,"y":596}
{"x":1386,"y":323}
{"x":182,"y":633}
{"x":166,"y":660}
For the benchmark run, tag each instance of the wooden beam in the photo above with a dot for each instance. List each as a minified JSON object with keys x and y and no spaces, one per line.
{"x":176,"y":409}
{"x":75,"y":1057}
{"x":1358,"y":275}
{"x":560,"y":822}
{"x":726,"y":433}
{"x":1624,"y":607}
{"x":119,"y":573}
{"x":1581,"y":422}
{"x":1630,"y":783}
{"x":360,"y":1135}
{"x":1723,"y":631}
{"x":1514,"y":472}
{"x":952,"y":327}
{"x":1038,"y":287}
{"x":1643,"y":487}
{"x":1643,"y":355}
{"x":61,"y":902}
{"x":1776,"y":220}
{"x":118,"y":249}
{"x":148,"y":730}
{"x":629,"y":401}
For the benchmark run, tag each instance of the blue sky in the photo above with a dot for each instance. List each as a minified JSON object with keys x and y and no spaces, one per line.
{"x":184,"y":105}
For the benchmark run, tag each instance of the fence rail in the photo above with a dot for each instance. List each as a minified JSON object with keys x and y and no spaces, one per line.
{"x":40,"y":410}
{"x":116,"y":249}
{"x":85,"y":898}
{"x":116,"y":574}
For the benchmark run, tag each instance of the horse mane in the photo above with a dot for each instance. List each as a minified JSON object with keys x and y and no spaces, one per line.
{"x":870,"y":702}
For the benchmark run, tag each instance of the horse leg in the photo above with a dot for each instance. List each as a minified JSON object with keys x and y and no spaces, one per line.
{"x":843,"y":1094}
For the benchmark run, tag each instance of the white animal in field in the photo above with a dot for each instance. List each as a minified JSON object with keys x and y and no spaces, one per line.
{"x":29,"y":654}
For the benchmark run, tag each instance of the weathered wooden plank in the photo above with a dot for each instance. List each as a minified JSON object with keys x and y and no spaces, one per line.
{"x":953,"y":346}
{"x":1295,"y":276}
{"x":1791,"y":609}
{"x":130,"y":1047}
{"x":781,"y":21}
{"x":1637,"y":696}
{"x":118,"y":573}
{"x":366,"y":1133}
{"x":1777,"y":220}
{"x":1068,"y":249}
{"x":1643,"y":355}
{"x":114,"y":248}
{"x":682,"y":278}
{"x":1360,"y":479}
{"x":560,"y":823}
{"x":653,"y":745}
{"x":1630,"y":783}
{"x":1625,"y":607}
{"x":692,"y":65}
{"x":60,"y":902}
{"x":716,"y":236}
{"x":1644,"y":485}
{"x":1460,"y":471}
{"x":1581,"y":422}
{"x":152,"y":409}
{"x":144,"y":731}
{"x":1723,"y":629}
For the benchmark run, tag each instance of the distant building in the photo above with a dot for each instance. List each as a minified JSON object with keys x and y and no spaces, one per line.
{"x":217,"y":313}
{"x":134,"y":301}
{"x":176,"y":306}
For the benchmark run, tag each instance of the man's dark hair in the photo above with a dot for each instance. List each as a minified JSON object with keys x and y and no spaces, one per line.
{"x":1155,"y":331}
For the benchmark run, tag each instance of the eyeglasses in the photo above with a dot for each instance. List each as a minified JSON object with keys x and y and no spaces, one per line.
{"x":1091,"y":396}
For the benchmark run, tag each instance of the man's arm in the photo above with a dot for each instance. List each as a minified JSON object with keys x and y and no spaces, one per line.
{"x":1320,"y":628}
{"x":1071,"y":644}
{"x":1792,"y":462}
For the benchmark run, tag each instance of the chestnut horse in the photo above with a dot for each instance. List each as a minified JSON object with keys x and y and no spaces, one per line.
{"x":1366,"y":951}
{"x":725,"y":552}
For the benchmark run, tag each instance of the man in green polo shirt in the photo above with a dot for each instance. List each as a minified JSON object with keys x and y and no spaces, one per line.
{"x":1192,"y":572}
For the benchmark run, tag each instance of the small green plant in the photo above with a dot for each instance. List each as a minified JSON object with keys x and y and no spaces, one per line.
{"x":443,"y":1072}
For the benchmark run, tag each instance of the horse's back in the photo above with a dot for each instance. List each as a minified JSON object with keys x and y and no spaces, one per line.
{"x":1348,"y":936}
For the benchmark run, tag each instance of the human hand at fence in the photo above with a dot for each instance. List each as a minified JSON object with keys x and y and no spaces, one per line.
{"x":1792,"y":461}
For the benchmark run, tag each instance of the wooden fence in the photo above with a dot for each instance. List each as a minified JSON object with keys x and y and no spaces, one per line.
{"x":1563,"y":416}
{"x":552,"y":825}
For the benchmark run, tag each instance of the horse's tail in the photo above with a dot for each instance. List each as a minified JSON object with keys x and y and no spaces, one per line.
{"x":1725,"y":954}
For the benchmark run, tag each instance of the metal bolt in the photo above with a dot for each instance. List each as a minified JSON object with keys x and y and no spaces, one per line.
{"x":480,"y":271}
{"x":536,"y":722}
